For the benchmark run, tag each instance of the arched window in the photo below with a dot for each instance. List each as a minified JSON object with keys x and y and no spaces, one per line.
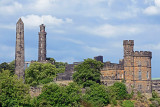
{"x":140,"y":75}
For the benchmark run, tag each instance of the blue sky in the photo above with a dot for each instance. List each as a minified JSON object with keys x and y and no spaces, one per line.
{"x":80,"y":29}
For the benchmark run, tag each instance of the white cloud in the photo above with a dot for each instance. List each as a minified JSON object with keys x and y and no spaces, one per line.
{"x":150,"y":47}
{"x":35,"y":20}
{"x":157,"y":3}
{"x":95,"y":49}
{"x":9,"y":26}
{"x":10,"y":9}
{"x":154,"y":9}
{"x":41,"y":5}
{"x":111,"y":30}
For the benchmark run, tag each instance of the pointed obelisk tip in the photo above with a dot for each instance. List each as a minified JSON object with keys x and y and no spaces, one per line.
{"x":20,"y":20}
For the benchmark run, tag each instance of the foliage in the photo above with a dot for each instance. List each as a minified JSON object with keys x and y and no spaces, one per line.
{"x":96,"y":95}
{"x":38,"y":73}
{"x":114,"y":102}
{"x":88,"y":72}
{"x":127,"y":103}
{"x":155,"y":94}
{"x":6,"y":66}
{"x":155,"y":102}
{"x":13,"y":92}
{"x":51,"y":60}
{"x":118,"y":91}
{"x":59,"y":65}
{"x":58,"y":96}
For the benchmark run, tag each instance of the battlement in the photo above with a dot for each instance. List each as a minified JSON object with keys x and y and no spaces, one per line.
{"x":128,"y":42}
{"x":112,"y":66}
{"x":143,"y":54}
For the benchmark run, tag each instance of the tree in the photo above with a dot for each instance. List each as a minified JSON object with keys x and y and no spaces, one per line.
{"x":118,"y":91}
{"x":13,"y":92}
{"x":38,"y":73}
{"x":59,"y":65}
{"x":59,"y":96}
{"x":88,"y":72}
{"x":6,"y":66}
{"x":96,"y":95}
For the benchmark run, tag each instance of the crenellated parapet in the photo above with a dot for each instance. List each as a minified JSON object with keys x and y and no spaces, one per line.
{"x":143,"y":54}
{"x":113,"y":66}
{"x":128,"y":42}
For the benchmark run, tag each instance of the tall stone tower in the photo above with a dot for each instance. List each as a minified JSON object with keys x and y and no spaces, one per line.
{"x":42,"y":44}
{"x":19,"y":54}
{"x":129,"y":62}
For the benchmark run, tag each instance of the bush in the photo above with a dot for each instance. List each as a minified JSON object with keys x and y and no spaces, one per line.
{"x":59,"y":96}
{"x":155,"y":94}
{"x":88,"y":72}
{"x":114,"y":102}
{"x":96,"y":95}
{"x":127,"y":103}
{"x":38,"y":73}
{"x":13,"y":92}
{"x":118,"y":91}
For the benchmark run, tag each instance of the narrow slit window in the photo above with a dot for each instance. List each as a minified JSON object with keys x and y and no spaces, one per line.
{"x":140,"y":75}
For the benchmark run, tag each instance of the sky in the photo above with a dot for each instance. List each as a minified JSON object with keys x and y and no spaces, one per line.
{"x":80,"y":29}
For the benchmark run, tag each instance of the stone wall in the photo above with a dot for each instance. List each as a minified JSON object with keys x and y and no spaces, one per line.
{"x":156,"y":86}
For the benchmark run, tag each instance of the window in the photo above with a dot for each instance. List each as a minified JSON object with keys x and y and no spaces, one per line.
{"x":139,"y":63}
{"x":118,"y":76}
{"x":148,"y":87}
{"x":140,"y":75}
{"x":124,"y":74}
{"x":147,"y":75}
{"x":139,"y":87}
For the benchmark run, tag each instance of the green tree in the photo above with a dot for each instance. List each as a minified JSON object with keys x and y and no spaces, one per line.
{"x":96,"y":95}
{"x":39,"y":73}
{"x":6,"y":66}
{"x":59,"y":65}
{"x":58,"y":96}
{"x":13,"y":92}
{"x":88,"y":72}
{"x":118,"y":91}
{"x":12,"y":67}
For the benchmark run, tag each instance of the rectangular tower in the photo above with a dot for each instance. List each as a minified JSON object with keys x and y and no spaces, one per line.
{"x":19,"y":54}
{"x":129,"y":63}
{"x":42,"y":44}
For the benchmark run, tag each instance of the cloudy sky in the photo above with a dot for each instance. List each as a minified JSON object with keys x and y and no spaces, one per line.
{"x":80,"y":29}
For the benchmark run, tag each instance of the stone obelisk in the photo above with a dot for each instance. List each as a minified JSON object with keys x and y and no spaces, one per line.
{"x":42,"y":44}
{"x":19,"y":53}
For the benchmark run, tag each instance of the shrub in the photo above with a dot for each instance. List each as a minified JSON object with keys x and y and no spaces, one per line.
{"x":118,"y":91}
{"x":155,"y":94}
{"x":127,"y":103}
{"x":88,"y":72}
{"x":96,"y":95}
{"x":114,"y":102}
{"x":59,"y":96}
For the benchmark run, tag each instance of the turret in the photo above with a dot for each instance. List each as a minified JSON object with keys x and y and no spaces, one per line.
{"x":128,"y":47}
{"x":42,"y":44}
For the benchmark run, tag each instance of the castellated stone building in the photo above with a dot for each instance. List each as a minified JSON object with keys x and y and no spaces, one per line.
{"x":19,"y":53}
{"x":42,"y":44}
{"x":134,"y":69}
